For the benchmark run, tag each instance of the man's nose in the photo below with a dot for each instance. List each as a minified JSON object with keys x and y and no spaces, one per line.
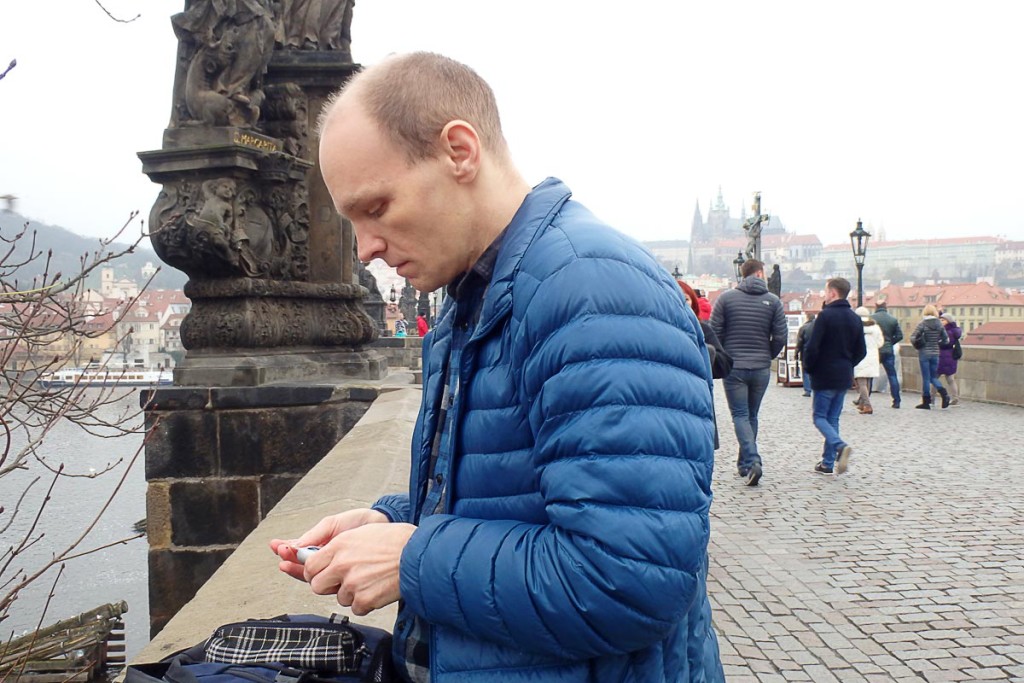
{"x":368,"y":246}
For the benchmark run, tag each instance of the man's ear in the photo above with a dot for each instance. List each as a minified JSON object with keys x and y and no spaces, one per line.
{"x":460,"y":144}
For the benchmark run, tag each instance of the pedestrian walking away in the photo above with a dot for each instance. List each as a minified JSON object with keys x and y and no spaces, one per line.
{"x":868,"y":368}
{"x":835,"y":347}
{"x":927,"y":338}
{"x":556,"y":524}
{"x":802,"y":335}
{"x":949,"y":358}
{"x":893,"y":334}
{"x":751,"y":324}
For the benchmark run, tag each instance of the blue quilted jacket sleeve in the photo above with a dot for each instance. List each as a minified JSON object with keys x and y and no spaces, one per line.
{"x":615,"y":385}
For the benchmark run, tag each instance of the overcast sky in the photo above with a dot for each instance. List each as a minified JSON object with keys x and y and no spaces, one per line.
{"x":909,"y":115}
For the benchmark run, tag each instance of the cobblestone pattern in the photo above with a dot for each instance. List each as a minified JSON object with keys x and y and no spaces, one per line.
{"x":910,"y":567}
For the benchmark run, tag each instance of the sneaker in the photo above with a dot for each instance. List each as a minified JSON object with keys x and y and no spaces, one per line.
{"x":753,"y":475}
{"x":954,"y":402}
{"x":807,"y":393}
{"x":843,"y":461}
{"x":821,"y":469}
{"x":742,"y":472}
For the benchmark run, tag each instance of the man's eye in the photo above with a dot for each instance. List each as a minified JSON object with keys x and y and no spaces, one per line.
{"x":376,"y":211}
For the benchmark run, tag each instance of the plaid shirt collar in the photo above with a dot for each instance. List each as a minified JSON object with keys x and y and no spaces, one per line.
{"x":480,"y":273}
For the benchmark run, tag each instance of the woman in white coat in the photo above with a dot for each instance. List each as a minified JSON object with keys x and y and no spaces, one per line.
{"x":868,"y":369}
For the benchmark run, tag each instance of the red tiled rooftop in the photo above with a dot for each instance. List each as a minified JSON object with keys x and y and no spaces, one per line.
{"x":997,"y":334}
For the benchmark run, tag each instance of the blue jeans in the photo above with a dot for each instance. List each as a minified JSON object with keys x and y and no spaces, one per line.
{"x":807,"y":382}
{"x":827,"y":406}
{"x":889,"y":363}
{"x":744,"y":390}
{"x":929,"y":375}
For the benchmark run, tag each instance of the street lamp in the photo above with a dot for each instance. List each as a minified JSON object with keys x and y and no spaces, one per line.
{"x":859,"y":243}
{"x":737,"y":263}
{"x":675,"y":272}
{"x":393,"y":296}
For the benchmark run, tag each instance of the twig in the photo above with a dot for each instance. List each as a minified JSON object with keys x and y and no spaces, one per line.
{"x":120,"y":21}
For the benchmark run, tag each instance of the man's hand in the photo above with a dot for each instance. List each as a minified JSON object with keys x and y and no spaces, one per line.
{"x":361,"y":565}
{"x":320,"y":535}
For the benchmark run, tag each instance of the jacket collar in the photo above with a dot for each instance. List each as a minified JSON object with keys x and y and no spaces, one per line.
{"x":534,"y":215}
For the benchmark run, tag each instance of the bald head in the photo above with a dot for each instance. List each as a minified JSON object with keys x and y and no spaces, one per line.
{"x":412,"y":97}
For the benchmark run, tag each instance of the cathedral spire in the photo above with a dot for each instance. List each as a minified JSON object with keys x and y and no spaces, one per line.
{"x":719,"y":202}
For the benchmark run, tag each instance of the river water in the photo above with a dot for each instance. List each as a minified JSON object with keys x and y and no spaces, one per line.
{"x":113,"y":574}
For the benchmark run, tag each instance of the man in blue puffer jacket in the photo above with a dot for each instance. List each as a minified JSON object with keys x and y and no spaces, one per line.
{"x":556,"y":524}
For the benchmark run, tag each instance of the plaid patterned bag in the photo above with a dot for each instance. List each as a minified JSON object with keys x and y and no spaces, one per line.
{"x":332,"y":645}
{"x":301,"y":648}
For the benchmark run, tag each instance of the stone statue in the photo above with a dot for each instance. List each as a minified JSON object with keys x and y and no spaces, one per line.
{"x":753,"y":226}
{"x":317,"y":25}
{"x":232,"y":44}
{"x":775,"y":281}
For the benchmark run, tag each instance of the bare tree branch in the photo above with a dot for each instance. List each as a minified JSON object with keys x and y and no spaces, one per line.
{"x":120,"y":21}
{"x":46,"y":323}
{"x":14,"y":63}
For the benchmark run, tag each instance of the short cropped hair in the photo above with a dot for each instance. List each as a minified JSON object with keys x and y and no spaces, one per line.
{"x":841,"y":285}
{"x":750,"y":266}
{"x":414,"y":96}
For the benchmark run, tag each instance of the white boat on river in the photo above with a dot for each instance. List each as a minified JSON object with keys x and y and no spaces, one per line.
{"x":105,"y":377}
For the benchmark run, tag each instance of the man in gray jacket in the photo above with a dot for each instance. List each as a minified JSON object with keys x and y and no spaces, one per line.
{"x":751,"y":325}
{"x":887,"y":354}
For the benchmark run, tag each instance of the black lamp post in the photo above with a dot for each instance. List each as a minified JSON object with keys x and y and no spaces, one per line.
{"x":859,"y":243}
{"x":675,"y":272}
{"x":737,"y":263}
{"x":393,"y":296}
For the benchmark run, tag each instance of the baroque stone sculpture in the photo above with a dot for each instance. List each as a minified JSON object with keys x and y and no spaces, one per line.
{"x":313,"y":24}
{"x":753,"y":226}
{"x":239,"y":183}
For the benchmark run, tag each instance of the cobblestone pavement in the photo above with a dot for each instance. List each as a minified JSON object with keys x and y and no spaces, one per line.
{"x":909,"y":567}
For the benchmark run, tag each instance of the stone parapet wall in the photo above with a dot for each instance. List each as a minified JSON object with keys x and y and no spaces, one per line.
{"x":401,"y":352}
{"x":991,"y":374}
{"x":218,"y":460}
{"x":371,"y":460}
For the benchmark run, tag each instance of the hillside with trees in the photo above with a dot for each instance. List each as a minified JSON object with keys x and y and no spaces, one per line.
{"x":69,"y":248}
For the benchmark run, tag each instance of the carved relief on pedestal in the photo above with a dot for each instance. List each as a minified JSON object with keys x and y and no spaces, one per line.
{"x":247,"y":313}
{"x":224,"y":227}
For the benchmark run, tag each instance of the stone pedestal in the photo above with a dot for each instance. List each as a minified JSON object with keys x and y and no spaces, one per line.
{"x":277,"y":319}
{"x":217,"y":461}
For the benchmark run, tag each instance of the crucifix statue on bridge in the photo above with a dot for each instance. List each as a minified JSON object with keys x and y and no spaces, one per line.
{"x":753,"y":226}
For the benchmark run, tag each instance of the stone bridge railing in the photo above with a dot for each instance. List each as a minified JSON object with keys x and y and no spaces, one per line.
{"x":372,"y":459}
{"x":991,"y":374}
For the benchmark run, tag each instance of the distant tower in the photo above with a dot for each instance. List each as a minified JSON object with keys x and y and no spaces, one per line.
{"x":148,"y":270}
{"x":718,"y":218}
{"x":697,"y":235}
{"x":10,"y":202}
{"x":107,"y":282}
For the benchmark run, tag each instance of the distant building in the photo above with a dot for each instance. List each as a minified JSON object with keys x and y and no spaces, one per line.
{"x":717,"y":241}
{"x":671,"y":254}
{"x":971,"y":305}
{"x":148,"y":270}
{"x":955,"y":258}
{"x":111,"y":288}
{"x":997,"y":334}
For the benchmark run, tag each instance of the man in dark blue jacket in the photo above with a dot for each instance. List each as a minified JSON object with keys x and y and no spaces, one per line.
{"x":751,"y":324}
{"x":835,"y":347}
{"x":556,"y":523}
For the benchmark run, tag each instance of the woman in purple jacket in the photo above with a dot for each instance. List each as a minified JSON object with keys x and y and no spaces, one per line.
{"x":947,"y":363}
